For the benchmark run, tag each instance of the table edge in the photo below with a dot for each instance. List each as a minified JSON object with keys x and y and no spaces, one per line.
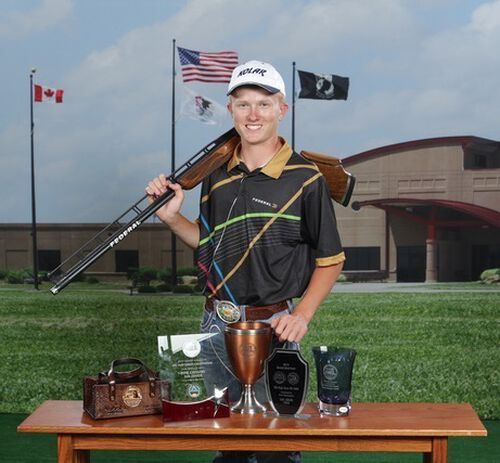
{"x":180,"y":428}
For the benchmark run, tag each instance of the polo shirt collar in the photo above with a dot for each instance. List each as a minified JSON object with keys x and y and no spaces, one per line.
{"x":274,"y":167}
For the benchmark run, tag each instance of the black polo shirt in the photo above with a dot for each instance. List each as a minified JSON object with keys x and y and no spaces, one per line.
{"x":269,"y":229}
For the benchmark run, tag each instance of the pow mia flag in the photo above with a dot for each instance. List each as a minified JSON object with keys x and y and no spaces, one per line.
{"x":323,"y":86}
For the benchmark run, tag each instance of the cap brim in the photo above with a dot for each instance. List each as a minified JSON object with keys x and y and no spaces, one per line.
{"x":253,"y":84}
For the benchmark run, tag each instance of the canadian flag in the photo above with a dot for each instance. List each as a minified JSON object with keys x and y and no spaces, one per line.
{"x":48,"y":94}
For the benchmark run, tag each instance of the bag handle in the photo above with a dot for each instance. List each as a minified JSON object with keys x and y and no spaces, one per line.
{"x":113,"y":376}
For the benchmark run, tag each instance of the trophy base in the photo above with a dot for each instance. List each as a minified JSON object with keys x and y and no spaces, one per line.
{"x":248,"y":404}
{"x":334,"y":409}
{"x":295,"y":416}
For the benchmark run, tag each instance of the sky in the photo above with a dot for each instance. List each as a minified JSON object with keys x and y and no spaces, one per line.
{"x":417,"y":69}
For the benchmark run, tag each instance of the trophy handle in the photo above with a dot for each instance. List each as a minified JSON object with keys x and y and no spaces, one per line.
{"x":215,"y":351}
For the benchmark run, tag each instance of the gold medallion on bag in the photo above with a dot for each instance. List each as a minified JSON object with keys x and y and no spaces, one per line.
{"x":132,"y":396}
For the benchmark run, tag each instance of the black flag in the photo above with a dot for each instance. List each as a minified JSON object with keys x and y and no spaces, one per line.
{"x":323,"y":86}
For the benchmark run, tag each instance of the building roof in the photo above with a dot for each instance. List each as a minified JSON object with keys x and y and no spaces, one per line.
{"x":484,"y":214}
{"x":467,"y":142}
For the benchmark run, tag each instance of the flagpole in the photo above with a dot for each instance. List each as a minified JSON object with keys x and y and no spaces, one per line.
{"x":293,"y":106}
{"x":33,"y":206}
{"x":173,"y":242}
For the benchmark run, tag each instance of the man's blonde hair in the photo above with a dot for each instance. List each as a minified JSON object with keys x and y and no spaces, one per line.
{"x":282,"y":99}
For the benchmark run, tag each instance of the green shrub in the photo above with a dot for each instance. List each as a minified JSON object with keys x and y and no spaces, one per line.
{"x":165,"y":275}
{"x":92,"y":280}
{"x":146,"y":289}
{"x":15,"y":277}
{"x":3,"y":274}
{"x":27,"y":272}
{"x":491,"y":275}
{"x":164,"y":288}
{"x":185,"y":271}
{"x":146,"y":275}
{"x":183,"y":289}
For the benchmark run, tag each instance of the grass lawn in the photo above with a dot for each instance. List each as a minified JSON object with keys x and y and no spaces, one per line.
{"x":440,"y":347}
{"x":412,"y":347}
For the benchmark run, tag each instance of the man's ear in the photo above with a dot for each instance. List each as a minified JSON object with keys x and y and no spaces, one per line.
{"x":283,"y":110}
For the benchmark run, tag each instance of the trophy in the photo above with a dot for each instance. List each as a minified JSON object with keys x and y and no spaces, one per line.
{"x":183,"y":368}
{"x":287,"y":380}
{"x":334,"y":369}
{"x":248,"y":345}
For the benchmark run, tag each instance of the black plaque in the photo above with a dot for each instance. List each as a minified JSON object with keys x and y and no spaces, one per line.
{"x":287,"y":380}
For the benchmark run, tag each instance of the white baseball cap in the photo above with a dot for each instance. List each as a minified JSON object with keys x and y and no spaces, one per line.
{"x":258,"y":73}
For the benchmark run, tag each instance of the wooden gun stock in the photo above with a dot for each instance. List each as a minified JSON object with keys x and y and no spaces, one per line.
{"x":195,"y":173}
{"x":340,"y":182}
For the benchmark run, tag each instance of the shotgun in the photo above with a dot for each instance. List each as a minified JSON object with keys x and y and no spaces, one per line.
{"x":190,"y":174}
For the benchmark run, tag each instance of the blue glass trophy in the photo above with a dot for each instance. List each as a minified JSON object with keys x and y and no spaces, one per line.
{"x":334,"y":373}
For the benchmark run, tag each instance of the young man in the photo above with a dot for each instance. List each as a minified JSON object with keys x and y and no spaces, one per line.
{"x":266,"y":232}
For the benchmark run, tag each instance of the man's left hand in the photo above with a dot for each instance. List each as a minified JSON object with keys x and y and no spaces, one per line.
{"x":289,"y":327}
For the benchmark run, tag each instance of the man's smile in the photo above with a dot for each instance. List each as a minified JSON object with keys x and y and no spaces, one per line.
{"x":253,"y":126}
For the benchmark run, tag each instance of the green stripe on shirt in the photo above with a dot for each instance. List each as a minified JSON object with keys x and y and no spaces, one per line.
{"x":251,"y":215}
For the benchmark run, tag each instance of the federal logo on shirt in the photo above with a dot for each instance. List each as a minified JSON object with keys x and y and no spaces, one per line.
{"x":265,"y":203}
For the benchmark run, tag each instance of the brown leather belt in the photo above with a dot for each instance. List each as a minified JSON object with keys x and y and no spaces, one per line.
{"x":253,"y":313}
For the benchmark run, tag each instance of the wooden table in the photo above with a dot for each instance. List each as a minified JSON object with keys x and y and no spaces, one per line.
{"x":371,"y":427}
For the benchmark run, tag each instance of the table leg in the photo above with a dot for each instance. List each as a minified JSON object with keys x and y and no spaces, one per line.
{"x":66,"y":453}
{"x":439,"y":453}
{"x":81,"y":456}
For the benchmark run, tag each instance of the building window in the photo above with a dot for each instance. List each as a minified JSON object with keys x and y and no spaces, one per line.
{"x":482,"y":157}
{"x":48,"y":260}
{"x":125,"y":260}
{"x":480,"y":161}
{"x":362,"y":258}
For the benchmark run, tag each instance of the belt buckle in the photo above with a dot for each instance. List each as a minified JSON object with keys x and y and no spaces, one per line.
{"x":227,"y":311}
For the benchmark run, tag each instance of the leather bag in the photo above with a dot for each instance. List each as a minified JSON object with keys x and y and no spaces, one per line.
{"x":113,"y":393}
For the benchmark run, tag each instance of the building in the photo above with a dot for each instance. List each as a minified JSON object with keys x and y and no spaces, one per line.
{"x":426,"y":210}
{"x":147,"y":246}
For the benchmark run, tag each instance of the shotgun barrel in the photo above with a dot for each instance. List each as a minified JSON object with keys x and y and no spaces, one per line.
{"x":188,"y":176}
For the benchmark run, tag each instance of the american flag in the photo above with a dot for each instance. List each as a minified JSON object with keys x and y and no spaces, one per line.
{"x":207,"y":67}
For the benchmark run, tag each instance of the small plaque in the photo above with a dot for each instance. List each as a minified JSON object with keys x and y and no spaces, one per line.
{"x":287,"y":380}
{"x":184,"y":363}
